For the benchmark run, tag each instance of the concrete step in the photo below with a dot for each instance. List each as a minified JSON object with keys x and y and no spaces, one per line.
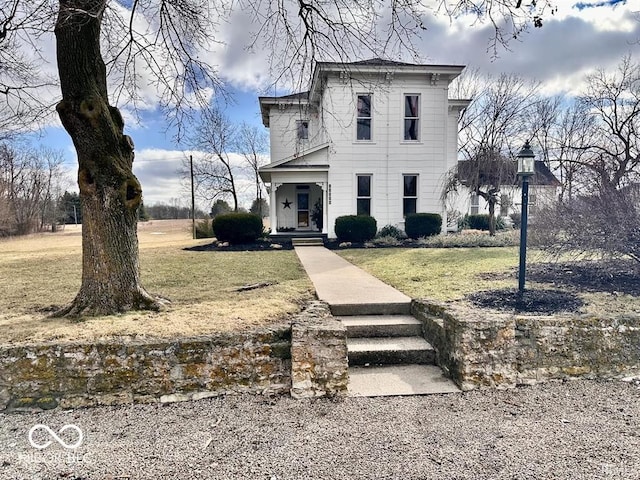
{"x":307,"y":242}
{"x":340,"y":309}
{"x":390,"y":350}
{"x":382,"y":326}
{"x":390,"y":380}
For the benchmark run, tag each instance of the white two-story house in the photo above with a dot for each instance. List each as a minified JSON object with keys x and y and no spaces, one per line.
{"x":374,"y":137}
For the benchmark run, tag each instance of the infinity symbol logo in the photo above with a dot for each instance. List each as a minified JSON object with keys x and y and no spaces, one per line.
{"x":40,"y":446}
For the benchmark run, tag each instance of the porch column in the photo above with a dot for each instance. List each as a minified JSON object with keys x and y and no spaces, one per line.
{"x":325,"y":207}
{"x":273,"y":207}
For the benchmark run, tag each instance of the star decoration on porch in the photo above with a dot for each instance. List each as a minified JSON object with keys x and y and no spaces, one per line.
{"x":286,"y":203}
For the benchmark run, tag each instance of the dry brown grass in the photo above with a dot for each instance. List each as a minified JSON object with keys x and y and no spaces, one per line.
{"x":41,"y":273}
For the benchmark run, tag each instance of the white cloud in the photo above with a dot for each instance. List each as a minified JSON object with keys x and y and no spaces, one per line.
{"x":163,"y":176}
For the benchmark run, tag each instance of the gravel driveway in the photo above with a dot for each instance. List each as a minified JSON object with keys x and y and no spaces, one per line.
{"x":577,"y":430}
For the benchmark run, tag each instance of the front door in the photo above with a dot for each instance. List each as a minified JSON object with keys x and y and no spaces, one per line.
{"x":303,"y":210}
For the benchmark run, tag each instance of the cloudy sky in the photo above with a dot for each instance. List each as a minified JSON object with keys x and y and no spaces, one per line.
{"x":579,"y":37}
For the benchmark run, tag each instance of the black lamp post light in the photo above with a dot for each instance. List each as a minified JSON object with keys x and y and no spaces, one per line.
{"x":526,"y":168}
{"x":540,"y":300}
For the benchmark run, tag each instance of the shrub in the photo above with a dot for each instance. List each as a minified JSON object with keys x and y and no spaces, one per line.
{"x":516,"y":218}
{"x":355,"y":228}
{"x":237,"y":227}
{"x":204,"y":230}
{"x":390,"y":231}
{"x":478,"y":221}
{"x":605,"y":225}
{"x":419,"y":225}
{"x":481,"y":222}
{"x":456,"y":240}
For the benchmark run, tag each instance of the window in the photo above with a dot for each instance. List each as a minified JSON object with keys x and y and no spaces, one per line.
{"x":364,"y":117}
{"x":475,"y":204}
{"x":364,"y":195}
{"x":533,"y":202}
{"x":302,"y":127}
{"x":412,"y":117}
{"x":505,"y":204}
{"x":410,"y":194}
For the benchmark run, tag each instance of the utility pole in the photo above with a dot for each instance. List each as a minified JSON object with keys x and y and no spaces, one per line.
{"x":193,"y":199}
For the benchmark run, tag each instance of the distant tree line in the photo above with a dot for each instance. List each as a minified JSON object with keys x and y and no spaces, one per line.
{"x":163,"y":211}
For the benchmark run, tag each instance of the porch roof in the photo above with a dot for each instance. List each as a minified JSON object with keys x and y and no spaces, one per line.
{"x":296,"y":156}
{"x":265,"y":172}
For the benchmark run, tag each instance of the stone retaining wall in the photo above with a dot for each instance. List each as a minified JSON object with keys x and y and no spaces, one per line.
{"x":319,"y":363}
{"x":483,"y":350}
{"x":69,"y":375}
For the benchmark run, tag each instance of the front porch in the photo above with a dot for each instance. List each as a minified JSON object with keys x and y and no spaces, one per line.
{"x":299,"y":195}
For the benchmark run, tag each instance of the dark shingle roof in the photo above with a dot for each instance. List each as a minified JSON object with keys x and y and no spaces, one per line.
{"x":542,"y":176}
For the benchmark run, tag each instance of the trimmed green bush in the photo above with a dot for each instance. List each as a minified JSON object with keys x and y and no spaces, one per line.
{"x":355,"y":228}
{"x":237,"y":227}
{"x":481,"y":222}
{"x":418,"y":225}
{"x":478,"y":221}
{"x":390,"y":231}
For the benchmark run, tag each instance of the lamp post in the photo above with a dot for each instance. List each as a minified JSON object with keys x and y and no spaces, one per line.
{"x":526,"y":168}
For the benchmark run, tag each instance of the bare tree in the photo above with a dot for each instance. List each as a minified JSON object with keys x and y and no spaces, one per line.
{"x":612,"y":102}
{"x":30,"y":182}
{"x":252,"y":143}
{"x":214,"y":173}
{"x":605,"y":225}
{"x":21,"y":79}
{"x":55,"y":182}
{"x":483,"y":175}
{"x":490,"y":134}
{"x":599,"y":157}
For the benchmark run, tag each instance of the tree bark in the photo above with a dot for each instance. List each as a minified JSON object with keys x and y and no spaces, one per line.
{"x":110,"y":193}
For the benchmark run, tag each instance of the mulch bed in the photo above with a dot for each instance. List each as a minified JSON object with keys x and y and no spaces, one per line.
{"x":260,"y":246}
{"x":530,"y":301}
{"x":613,"y":276}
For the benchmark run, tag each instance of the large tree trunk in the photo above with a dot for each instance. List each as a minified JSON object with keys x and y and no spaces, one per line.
{"x":110,"y":193}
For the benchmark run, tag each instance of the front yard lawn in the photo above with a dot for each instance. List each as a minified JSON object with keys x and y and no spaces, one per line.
{"x":449,"y":274}
{"x":41,"y":273}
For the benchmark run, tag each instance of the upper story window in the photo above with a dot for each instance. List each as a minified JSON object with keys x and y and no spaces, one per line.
{"x":410,"y":195}
{"x":302,"y":129}
{"x":363,"y":199}
{"x":363,"y":115}
{"x":412,"y":117}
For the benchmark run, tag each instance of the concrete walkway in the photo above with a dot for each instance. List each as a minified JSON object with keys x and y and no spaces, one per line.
{"x":349,"y":290}
{"x":378,"y":329}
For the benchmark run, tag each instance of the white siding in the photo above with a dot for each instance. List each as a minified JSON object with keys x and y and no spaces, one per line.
{"x":283,"y":132}
{"x":387,"y":156}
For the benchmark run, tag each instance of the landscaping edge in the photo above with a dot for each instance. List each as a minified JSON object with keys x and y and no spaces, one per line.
{"x":306,"y":358}
{"x":485,"y":349}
